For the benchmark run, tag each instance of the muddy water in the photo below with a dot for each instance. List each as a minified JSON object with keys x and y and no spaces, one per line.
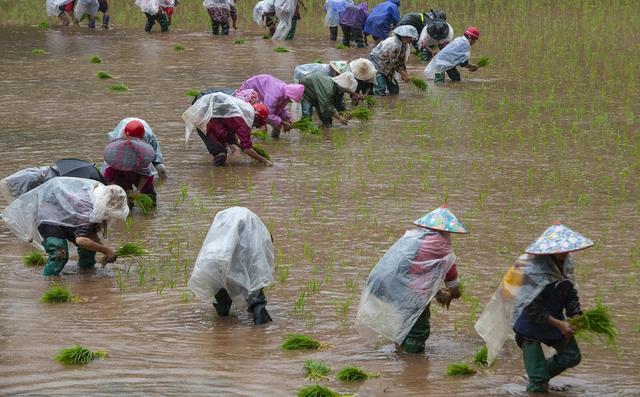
{"x":509,"y":150}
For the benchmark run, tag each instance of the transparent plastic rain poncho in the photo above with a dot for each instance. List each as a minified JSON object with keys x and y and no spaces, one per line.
{"x":333,"y":8}
{"x":284,"y":11}
{"x":236,"y":255}
{"x":53,"y":7}
{"x":88,"y":7}
{"x":399,"y":288}
{"x":455,"y":53}
{"x":522,"y":283}
{"x":217,"y":4}
{"x":149,"y":136}
{"x":18,"y":183}
{"x":215,"y":105}
{"x":167,"y":3}
{"x":427,"y":41}
{"x":149,"y":6}
{"x":65,"y":201}
{"x":302,"y":70}
{"x":258,"y":10}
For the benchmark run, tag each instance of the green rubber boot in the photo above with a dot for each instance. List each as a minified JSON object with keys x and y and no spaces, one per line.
{"x":86,"y":259}
{"x":58,"y":252}
{"x":416,"y":338}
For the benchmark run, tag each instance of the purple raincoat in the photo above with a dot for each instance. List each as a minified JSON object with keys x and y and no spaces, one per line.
{"x":355,"y":16}
{"x":275,"y":95}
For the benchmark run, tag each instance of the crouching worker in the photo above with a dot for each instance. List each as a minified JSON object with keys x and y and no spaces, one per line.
{"x":235,"y":263}
{"x":227,"y":121}
{"x":154,"y":12}
{"x":536,"y":293}
{"x":326,"y":95}
{"x":134,"y":127}
{"x":390,"y":56}
{"x":67,"y":209}
{"x":396,"y":299}
{"x":455,"y":54}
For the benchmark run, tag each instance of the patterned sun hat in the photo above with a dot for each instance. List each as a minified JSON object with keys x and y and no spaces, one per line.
{"x":558,"y":239}
{"x":128,"y":154}
{"x":441,"y":219}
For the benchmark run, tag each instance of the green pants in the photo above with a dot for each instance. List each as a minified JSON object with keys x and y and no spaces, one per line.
{"x":58,"y":255}
{"x":384,"y":84}
{"x":292,"y":31}
{"x":414,"y":342}
{"x":541,"y":370}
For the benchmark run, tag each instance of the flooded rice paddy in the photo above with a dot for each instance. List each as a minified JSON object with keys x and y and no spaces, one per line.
{"x":549,"y":131}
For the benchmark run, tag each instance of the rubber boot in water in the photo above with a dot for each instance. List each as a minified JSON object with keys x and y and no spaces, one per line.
{"x":92,"y":22}
{"x":105,"y":21}
{"x":223,"y":305}
{"x":439,"y":78}
{"x":260,"y":314}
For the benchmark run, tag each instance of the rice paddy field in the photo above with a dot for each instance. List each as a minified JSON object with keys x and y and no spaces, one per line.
{"x":547,"y":131}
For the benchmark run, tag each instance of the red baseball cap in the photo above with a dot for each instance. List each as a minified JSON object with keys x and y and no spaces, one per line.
{"x":472,"y":33}
{"x":134,"y":129}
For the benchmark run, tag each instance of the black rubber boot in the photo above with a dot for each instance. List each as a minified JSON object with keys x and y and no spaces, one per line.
{"x":260,"y":314}
{"x":224,"y":303}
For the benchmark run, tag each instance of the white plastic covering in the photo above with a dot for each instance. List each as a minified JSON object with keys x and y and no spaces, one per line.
{"x":333,"y":8}
{"x":237,"y":255}
{"x":89,"y":7}
{"x":149,"y":6}
{"x":284,"y":11}
{"x":167,"y":3}
{"x":52,"y":6}
{"x":522,"y":283}
{"x":216,"y":105}
{"x":302,"y":70}
{"x":399,"y":288}
{"x":65,"y":201}
{"x":427,"y":41}
{"x":451,"y":56}
{"x":149,"y":136}
{"x":216,"y":4}
{"x":268,"y":5}
{"x":258,"y":10}
{"x":20,"y":182}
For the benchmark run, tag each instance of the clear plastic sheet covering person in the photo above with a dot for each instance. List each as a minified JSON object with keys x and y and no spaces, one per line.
{"x":217,"y":3}
{"x":237,"y":255}
{"x":216,"y":105}
{"x":455,"y":53}
{"x":53,"y":6}
{"x":284,"y":11}
{"x":149,"y":6}
{"x":522,"y":283}
{"x":65,"y":201}
{"x":88,"y":7}
{"x":399,"y":288}
{"x":18,"y":183}
{"x":149,"y":136}
{"x":258,"y":11}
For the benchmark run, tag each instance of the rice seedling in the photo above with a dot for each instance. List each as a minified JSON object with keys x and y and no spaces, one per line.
{"x":460,"y":369}
{"x":317,"y":60}
{"x":354,"y":374}
{"x":481,"y":356}
{"x":361,"y":113}
{"x":595,"y":321}
{"x":143,"y":201}
{"x":301,"y":342}
{"x":317,"y":391}
{"x":43,"y":25}
{"x":130,"y":250}
{"x":342,"y":46}
{"x":119,"y":280}
{"x":184,"y":191}
{"x":262,"y":134}
{"x":316,"y":370}
{"x":95,"y":59}
{"x":261,"y":151}
{"x":419,"y":83}
{"x":119,"y":87}
{"x":34,"y":258}
{"x":38,"y":51}
{"x":58,"y":294}
{"x":306,"y":125}
{"x":77,"y":355}
{"x":370,"y":100}
{"x":238,"y":41}
{"x":298,"y":304}
{"x":103,"y":75}
{"x":192,"y":92}
{"x":484,"y":61}
{"x":281,"y":49}
{"x":179,"y":47}
{"x":283,"y":274}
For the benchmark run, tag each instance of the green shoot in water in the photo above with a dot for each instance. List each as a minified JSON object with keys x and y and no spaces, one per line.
{"x":262,"y":134}
{"x":95,"y":59}
{"x":595,"y":321}
{"x":419,"y":83}
{"x":342,"y":46}
{"x":261,"y":151}
{"x":38,"y":51}
{"x":481,"y":356}
{"x":238,"y":41}
{"x":317,"y":391}
{"x":306,"y":125}
{"x":361,"y":113}
{"x":129,"y":250}
{"x":484,"y":61}
{"x":43,"y":25}
{"x":143,"y":201}
{"x":281,"y":49}
{"x":179,"y":47}
{"x":34,"y":258}
{"x":192,"y":92}
{"x":460,"y":369}
{"x":103,"y":75}
{"x":316,"y":370}
{"x":301,"y":342}
{"x":354,"y":374}
{"x":317,"y":60}
{"x":58,"y":294}
{"x":78,"y":354}
{"x":119,"y":87}
{"x":370,"y":100}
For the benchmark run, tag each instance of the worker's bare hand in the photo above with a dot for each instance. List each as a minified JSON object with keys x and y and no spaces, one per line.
{"x":455,"y":293}
{"x":472,"y":68}
{"x":109,"y":257}
{"x":405,"y":77}
{"x":286,"y":126}
{"x":565,"y":329}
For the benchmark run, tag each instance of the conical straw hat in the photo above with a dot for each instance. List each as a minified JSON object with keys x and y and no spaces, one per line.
{"x":441,"y":219}
{"x":363,"y":69}
{"x":347,"y":82}
{"x":558,"y":239}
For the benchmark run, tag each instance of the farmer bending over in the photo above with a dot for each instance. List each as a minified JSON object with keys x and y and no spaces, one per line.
{"x":455,"y":54}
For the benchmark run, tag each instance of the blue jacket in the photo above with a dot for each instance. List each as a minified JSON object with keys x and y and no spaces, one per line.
{"x":381,"y":17}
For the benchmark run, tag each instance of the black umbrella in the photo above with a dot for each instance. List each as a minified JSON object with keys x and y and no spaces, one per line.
{"x":78,"y":169}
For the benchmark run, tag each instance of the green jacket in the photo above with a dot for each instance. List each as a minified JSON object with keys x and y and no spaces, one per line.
{"x":325,"y":95}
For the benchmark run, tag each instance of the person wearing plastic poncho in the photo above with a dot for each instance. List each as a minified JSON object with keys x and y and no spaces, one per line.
{"x":235,"y":263}
{"x":219,"y":12}
{"x":139,"y":128}
{"x":288,"y":13}
{"x":437,"y":33}
{"x":397,"y":295}
{"x":334,"y":8}
{"x":224,"y":122}
{"x":381,"y":19}
{"x":154,"y":12}
{"x":63,"y":9}
{"x":276,"y":95}
{"x":326,"y":95}
{"x":352,"y":21}
{"x":535,"y":293}
{"x":390,"y":57}
{"x":455,"y":54}
{"x":67,"y":209}
{"x":264,"y":14}
{"x":89,"y":8}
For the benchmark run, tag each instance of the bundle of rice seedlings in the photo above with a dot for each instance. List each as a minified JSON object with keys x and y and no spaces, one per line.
{"x":306,"y":125}
{"x":58,"y":294}
{"x":129,"y":250}
{"x":192,"y":92}
{"x":34,"y":258}
{"x":354,"y":374}
{"x":317,"y":391}
{"x":179,"y":47}
{"x":596,"y":321}
{"x":78,"y":354}
{"x":38,"y":51}
{"x":316,"y":370}
{"x":419,"y":83}
{"x":484,"y":61}
{"x":460,"y":369}
{"x":238,"y":41}
{"x":342,"y":46}
{"x":361,"y":113}
{"x":481,"y":356}
{"x":143,"y":201}
{"x":261,"y":151}
{"x":301,"y":342}
{"x":280,"y":49}
{"x":262,"y":134}
{"x":103,"y":75}
{"x":43,"y":25}
{"x":119,"y":87}
{"x":370,"y":100}
{"x":317,"y":60}
{"x":95,"y":59}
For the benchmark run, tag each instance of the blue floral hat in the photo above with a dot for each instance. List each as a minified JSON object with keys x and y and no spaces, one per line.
{"x":558,"y":239}
{"x":441,"y":219}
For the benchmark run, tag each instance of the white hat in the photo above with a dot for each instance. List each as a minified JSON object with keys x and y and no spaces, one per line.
{"x":338,"y":66}
{"x":363,"y":69}
{"x":347,"y":82}
{"x":406,"y":31}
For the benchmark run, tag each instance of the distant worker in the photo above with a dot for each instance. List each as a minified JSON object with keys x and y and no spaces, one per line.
{"x":383,"y":18}
{"x":352,"y":21}
{"x":154,"y":12}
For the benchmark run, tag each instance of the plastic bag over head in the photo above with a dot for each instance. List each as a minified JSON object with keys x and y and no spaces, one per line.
{"x":215,"y":105}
